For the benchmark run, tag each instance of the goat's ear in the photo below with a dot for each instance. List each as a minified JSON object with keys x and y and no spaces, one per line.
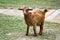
{"x":20,"y":9}
{"x":30,"y":9}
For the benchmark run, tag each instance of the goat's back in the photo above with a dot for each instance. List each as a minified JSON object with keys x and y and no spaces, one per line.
{"x":36,"y":17}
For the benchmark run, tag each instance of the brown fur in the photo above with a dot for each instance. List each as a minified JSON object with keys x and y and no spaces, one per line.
{"x":34,"y":19}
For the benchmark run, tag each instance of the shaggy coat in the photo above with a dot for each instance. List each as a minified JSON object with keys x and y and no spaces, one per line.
{"x":35,"y":18}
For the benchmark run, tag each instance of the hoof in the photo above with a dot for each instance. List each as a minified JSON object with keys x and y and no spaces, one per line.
{"x":26,"y":34}
{"x":40,"y":33}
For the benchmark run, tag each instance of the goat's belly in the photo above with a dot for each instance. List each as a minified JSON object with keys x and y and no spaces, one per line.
{"x":38,"y":24}
{"x":33,"y":24}
{"x":29,"y":23}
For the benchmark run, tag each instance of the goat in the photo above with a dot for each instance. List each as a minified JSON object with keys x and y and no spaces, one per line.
{"x":34,"y":19}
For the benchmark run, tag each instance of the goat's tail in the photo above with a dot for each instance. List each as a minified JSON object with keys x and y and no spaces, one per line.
{"x":45,"y":10}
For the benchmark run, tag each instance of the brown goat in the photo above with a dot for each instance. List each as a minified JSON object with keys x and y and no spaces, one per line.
{"x":34,"y":19}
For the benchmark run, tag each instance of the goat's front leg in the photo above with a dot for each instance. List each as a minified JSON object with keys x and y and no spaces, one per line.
{"x":41,"y":29}
{"x":34,"y":28}
{"x":27,"y":30}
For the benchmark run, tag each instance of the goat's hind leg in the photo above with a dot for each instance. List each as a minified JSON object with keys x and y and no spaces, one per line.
{"x":41,"y":29}
{"x":34,"y":28}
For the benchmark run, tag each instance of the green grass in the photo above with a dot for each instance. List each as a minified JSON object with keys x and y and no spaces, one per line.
{"x":31,"y":3}
{"x":17,"y":27}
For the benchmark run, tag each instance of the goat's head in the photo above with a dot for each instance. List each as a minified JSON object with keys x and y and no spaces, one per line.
{"x":25,"y":10}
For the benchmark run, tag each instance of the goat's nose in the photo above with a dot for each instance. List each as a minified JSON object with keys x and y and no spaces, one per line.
{"x":24,"y":12}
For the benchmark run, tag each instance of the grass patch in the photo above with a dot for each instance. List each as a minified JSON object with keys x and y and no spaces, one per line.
{"x":14,"y":28}
{"x":31,"y":3}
